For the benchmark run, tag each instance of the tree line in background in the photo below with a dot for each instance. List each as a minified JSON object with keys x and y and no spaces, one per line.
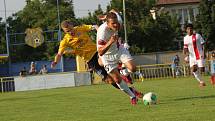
{"x":144,"y":33}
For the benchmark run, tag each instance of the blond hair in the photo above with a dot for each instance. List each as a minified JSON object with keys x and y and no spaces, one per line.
{"x":66,"y":24}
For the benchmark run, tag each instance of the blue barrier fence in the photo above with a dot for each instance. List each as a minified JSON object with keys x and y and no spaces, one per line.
{"x":69,"y":65}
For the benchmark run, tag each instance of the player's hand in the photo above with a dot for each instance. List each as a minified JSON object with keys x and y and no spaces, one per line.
{"x":114,"y":38}
{"x":186,"y":59}
{"x":53,"y":64}
{"x":126,"y":46}
{"x":95,"y":27}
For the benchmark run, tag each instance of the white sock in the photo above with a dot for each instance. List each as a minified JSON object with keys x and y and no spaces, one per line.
{"x":124,"y":87}
{"x":139,"y":74}
{"x":197,"y":76}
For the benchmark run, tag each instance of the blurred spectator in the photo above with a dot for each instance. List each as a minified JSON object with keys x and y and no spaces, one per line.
{"x":176,"y":60}
{"x":175,"y":66}
{"x":44,"y":70}
{"x":23,"y":72}
{"x":32,"y":69}
{"x":213,"y":55}
{"x":212,"y":61}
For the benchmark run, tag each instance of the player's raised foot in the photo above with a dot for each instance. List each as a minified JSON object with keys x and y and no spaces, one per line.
{"x":134,"y":101}
{"x":202,"y":84}
{"x":139,"y":94}
{"x":136,"y":93}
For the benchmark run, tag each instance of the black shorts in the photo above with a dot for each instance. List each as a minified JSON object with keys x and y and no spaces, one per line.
{"x":93,"y":64}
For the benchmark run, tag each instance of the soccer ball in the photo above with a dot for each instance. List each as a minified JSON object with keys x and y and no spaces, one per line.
{"x":149,"y":98}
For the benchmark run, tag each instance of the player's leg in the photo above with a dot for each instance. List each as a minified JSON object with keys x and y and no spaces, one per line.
{"x":114,"y":73}
{"x":212,"y":80}
{"x":96,"y":63}
{"x":194,"y":70}
{"x":197,"y":75}
{"x":212,"y":64}
{"x":130,"y":66}
{"x":126,"y":77}
{"x":200,"y":64}
{"x":136,"y":92}
{"x":112,"y":70}
{"x":109,"y":79}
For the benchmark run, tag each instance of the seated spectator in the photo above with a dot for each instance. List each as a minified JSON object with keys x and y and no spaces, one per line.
{"x":44,"y":70}
{"x":23,"y":72}
{"x":32,"y":69}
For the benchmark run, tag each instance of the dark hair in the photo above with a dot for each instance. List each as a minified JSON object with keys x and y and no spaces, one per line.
{"x":111,"y":15}
{"x":189,"y":25}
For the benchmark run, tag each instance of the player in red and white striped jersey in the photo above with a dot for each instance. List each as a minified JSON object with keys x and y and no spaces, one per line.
{"x":194,"y":48}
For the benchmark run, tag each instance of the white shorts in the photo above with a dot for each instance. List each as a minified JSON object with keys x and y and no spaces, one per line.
{"x":199,"y":63}
{"x":111,"y":61}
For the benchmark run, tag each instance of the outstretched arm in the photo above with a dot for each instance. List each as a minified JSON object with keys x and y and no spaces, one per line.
{"x":56,"y":60}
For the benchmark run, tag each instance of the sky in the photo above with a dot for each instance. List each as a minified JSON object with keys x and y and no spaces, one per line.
{"x":81,"y":7}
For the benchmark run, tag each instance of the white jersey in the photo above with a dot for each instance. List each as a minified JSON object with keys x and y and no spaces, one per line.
{"x":103,"y":36}
{"x":115,"y":53}
{"x":194,"y":44}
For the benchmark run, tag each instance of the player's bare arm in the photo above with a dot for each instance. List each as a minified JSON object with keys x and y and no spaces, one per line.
{"x":95,"y":27}
{"x":57,"y":59}
{"x":204,"y":52}
{"x":185,"y":51}
{"x":103,"y":49}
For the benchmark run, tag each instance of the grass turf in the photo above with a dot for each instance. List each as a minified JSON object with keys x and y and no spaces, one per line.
{"x":180,"y":99}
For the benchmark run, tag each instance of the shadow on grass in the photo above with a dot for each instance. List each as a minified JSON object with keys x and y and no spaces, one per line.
{"x":195,"y":97}
{"x":186,"y":98}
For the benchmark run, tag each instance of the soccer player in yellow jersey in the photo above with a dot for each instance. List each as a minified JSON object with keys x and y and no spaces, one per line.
{"x":79,"y":43}
{"x":77,"y":39}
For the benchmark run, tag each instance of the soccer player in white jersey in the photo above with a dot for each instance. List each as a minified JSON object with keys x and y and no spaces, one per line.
{"x":111,"y":53}
{"x":125,"y":75}
{"x":194,"y":48}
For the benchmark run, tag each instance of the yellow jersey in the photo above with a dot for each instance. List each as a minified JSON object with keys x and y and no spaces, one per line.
{"x":79,"y":42}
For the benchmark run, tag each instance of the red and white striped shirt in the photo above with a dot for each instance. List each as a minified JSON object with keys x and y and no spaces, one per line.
{"x":194,"y":44}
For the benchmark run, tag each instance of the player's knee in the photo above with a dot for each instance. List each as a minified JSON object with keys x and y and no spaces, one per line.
{"x":194,"y":68}
{"x":132,"y":69}
{"x":109,"y":80}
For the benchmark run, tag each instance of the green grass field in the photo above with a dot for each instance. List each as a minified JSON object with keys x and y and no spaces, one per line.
{"x":180,"y":99}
